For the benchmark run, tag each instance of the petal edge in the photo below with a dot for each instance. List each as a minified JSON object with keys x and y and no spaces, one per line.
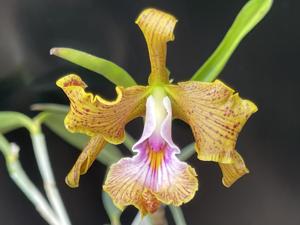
{"x":215,"y":114}
{"x":93,"y":115}
{"x":233,"y":171}
{"x":85,"y":160}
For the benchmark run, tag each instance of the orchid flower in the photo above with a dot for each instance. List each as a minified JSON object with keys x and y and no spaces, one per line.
{"x":154,"y":175}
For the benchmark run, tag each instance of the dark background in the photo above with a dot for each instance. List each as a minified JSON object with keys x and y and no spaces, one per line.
{"x":264,"y":69}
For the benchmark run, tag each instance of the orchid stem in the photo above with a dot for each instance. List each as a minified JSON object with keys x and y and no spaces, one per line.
{"x":42,"y":158}
{"x":177,"y":215}
{"x":159,"y":216}
{"x":139,"y":220}
{"x":129,"y":141}
{"x":115,"y":221}
{"x":112,"y":211}
{"x":187,"y":151}
{"x":17,"y":174}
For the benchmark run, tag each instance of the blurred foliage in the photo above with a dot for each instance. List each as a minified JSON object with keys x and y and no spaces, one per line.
{"x":249,"y":16}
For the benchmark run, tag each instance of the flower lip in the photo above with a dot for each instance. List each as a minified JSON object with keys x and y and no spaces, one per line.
{"x":154,"y":174}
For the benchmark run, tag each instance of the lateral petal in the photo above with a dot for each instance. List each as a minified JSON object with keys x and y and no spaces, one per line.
{"x":216,"y":115}
{"x":233,"y":171}
{"x":85,"y":160}
{"x":93,"y":115}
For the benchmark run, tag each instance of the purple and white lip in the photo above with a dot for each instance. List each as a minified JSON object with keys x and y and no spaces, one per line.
{"x":155,"y":168}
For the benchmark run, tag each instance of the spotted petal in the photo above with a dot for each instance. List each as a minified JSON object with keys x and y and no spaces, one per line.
{"x":215,"y":114}
{"x":155,"y":174}
{"x":85,"y":160}
{"x":93,"y":115}
{"x":233,"y":171}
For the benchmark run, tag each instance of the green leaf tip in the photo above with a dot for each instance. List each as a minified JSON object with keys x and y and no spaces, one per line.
{"x":104,"y":67}
{"x":249,"y":16}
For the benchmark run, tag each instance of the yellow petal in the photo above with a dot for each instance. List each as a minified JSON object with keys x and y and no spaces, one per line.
{"x":233,"y":171}
{"x":215,"y":114}
{"x":85,"y":160}
{"x":157,"y":27}
{"x":93,"y":115}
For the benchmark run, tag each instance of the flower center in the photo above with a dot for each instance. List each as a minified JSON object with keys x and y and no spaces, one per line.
{"x":155,"y":157}
{"x":156,"y":142}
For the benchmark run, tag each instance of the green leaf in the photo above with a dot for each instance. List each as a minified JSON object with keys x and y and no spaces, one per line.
{"x":50,"y":107}
{"x":13,"y":120}
{"x":113,"y":212}
{"x":249,"y":16}
{"x":108,"y":69}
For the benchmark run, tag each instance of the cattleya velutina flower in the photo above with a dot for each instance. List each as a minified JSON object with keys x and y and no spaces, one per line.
{"x":154,"y":175}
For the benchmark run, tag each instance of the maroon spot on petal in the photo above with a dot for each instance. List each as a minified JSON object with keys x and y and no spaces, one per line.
{"x":73,"y":82}
{"x":236,"y":125}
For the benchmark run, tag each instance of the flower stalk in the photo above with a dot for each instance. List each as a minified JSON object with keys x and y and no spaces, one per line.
{"x":42,"y":158}
{"x":141,"y":220}
{"x":17,"y":174}
{"x":177,"y":215}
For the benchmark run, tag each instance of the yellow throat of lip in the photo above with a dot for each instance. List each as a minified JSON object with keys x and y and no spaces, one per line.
{"x":156,"y":158}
